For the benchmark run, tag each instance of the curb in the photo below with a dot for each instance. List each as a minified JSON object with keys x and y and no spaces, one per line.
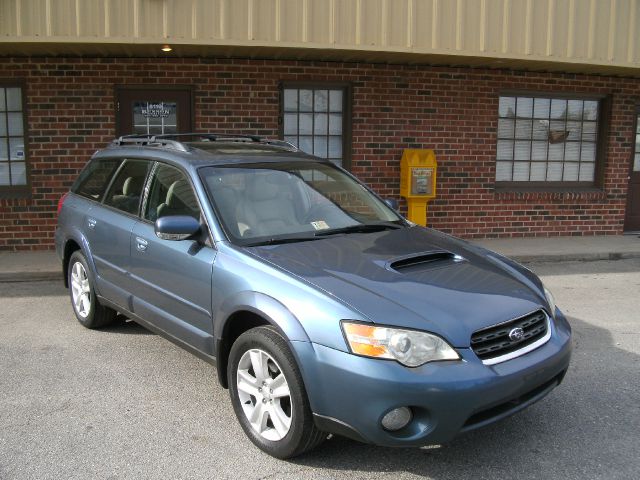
{"x":16,"y":277}
{"x":573,"y":257}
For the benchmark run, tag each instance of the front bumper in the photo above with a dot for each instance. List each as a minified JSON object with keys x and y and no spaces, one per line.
{"x":349,"y":394}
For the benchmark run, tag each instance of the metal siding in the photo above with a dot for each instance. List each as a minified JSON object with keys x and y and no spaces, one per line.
{"x":591,"y":32}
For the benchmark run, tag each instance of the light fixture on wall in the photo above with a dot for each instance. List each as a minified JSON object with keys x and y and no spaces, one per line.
{"x":166,"y":48}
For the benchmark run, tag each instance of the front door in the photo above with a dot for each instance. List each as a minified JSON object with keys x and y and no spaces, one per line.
{"x":632,"y":219}
{"x":153,"y":111}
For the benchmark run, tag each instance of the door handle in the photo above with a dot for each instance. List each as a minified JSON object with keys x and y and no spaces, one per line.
{"x":141,"y":244}
{"x":91,"y":222}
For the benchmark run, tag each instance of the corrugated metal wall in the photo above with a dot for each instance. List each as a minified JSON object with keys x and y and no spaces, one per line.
{"x":601,"y":32}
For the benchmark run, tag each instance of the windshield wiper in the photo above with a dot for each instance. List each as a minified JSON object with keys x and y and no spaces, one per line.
{"x":361,"y":228}
{"x":278,"y":241}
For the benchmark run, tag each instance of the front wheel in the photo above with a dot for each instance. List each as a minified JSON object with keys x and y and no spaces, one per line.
{"x":85,"y":304}
{"x":268,"y":395}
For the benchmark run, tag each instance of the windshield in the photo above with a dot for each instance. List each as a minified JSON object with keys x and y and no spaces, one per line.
{"x":267,"y":202}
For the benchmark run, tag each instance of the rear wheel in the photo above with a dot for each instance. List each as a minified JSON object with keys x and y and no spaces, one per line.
{"x":85,"y":304}
{"x":268,"y":395}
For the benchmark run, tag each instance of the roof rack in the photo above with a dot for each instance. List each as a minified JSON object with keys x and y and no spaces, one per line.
{"x":173,"y":140}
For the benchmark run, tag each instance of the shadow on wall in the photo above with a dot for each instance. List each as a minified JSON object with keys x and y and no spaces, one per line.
{"x":586,"y":428}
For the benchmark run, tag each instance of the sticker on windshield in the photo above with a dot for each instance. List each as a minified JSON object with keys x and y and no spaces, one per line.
{"x":320,"y":225}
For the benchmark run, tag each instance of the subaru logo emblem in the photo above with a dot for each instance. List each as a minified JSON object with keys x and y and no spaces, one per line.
{"x":516,"y":334}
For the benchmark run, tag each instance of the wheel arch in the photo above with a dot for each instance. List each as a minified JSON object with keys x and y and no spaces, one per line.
{"x":72,"y":244}
{"x":249,"y":310}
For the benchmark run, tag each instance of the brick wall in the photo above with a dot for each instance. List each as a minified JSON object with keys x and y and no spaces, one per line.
{"x":452,"y":110}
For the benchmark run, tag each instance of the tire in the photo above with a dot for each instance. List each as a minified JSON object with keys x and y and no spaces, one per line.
{"x":84,"y":302}
{"x":283,"y":425}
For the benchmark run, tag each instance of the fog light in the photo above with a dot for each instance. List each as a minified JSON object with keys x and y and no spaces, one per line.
{"x":396,"y":419}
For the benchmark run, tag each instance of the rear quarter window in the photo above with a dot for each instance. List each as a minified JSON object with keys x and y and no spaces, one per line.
{"x":94,"y":179}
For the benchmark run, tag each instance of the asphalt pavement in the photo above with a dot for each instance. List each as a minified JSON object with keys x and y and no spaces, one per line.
{"x":124,"y":403}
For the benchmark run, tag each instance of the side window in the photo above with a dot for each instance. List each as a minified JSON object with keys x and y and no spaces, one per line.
{"x":170,"y":194}
{"x":126,"y":190}
{"x":93,"y":180}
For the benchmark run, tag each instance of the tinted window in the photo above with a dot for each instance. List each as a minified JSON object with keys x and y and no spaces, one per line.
{"x":93,"y":180}
{"x":126,"y":190}
{"x":170,"y":194}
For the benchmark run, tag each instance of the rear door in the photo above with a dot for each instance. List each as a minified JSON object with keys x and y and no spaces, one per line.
{"x":108,"y":230}
{"x":173,"y":279}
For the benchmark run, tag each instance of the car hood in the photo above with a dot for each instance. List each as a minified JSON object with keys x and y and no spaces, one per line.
{"x":413,"y":277}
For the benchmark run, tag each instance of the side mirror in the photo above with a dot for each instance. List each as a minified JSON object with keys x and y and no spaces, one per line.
{"x":176,"y":227}
{"x":393,"y":203}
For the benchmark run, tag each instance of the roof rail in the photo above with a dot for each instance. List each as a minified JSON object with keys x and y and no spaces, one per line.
{"x":149,"y":141}
{"x":174,"y":140}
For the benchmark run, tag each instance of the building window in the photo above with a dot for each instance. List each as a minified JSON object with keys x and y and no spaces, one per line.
{"x":13,"y":154}
{"x":314,"y":118}
{"x":547,"y":140}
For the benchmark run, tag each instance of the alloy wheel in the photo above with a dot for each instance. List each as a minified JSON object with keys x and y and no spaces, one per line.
{"x":80,"y":290}
{"x":264,"y":394}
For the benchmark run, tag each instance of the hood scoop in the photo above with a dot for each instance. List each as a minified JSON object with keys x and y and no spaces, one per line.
{"x":422,"y":261}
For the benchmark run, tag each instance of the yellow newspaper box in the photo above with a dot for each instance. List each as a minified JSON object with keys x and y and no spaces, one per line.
{"x":418,"y":182}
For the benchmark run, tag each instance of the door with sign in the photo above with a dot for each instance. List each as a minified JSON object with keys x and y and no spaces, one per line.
{"x":153,"y":111}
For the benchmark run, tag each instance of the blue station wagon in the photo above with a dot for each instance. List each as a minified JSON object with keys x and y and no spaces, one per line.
{"x":323,"y":309}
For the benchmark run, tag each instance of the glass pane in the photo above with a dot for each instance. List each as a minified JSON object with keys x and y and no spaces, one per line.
{"x":587,"y":172}
{"x":575,"y":130}
{"x":320,"y":124}
{"x":636,"y":162}
{"x":541,"y":107}
{"x":558,"y":132}
{"x":306,"y":144}
{"x":335,"y":124}
{"x":4,"y":150}
{"x":524,"y":107}
{"x":570,"y":172}
{"x":306,"y":100}
{"x":3,"y":105}
{"x":290,"y":100}
{"x":574,"y":110}
{"x":4,"y":174}
{"x":15,"y":123}
{"x":572,"y":151}
{"x":155,"y":121}
{"x":335,"y":100}
{"x":18,"y":173}
{"x":306,"y":123}
{"x":505,"y":128}
{"x":14,"y":99}
{"x":589,"y":131}
{"x":539,"y":150}
{"x":591,"y":110}
{"x":141,"y":130}
{"x":321,"y":100}
{"x":556,"y":151}
{"x":521,"y":171}
{"x":554,"y":172}
{"x":505,"y":150}
{"x":541,"y":129}
{"x":538,"y":172}
{"x":293,"y":139}
{"x":290,"y":123}
{"x":588,"y":153}
{"x":335,"y":147}
{"x":320,"y":146}
{"x":16,"y":149}
{"x":523,"y":151}
{"x":3,"y":125}
{"x":507,"y":107}
{"x":503,"y":171}
{"x":558,"y":108}
{"x":523,"y":128}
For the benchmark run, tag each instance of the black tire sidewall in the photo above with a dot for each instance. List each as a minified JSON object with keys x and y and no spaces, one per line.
{"x":89,"y":319}
{"x":269,"y":340}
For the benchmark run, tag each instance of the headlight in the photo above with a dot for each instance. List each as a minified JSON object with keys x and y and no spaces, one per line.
{"x":409,"y":347}
{"x":551,"y":301}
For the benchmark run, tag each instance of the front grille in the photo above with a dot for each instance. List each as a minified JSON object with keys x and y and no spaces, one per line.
{"x":494,"y":341}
